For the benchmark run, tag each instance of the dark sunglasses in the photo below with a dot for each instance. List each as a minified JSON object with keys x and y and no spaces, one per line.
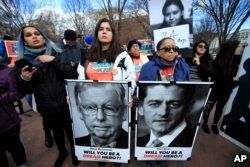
{"x":168,"y":48}
{"x":202,"y":46}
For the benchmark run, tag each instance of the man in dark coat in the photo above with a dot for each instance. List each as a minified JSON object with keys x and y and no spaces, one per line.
{"x":72,"y":51}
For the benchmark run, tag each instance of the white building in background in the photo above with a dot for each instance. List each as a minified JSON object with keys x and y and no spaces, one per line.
{"x":242,"y":36}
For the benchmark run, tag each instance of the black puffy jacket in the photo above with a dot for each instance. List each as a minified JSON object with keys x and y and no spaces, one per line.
{"x":48,"y":84}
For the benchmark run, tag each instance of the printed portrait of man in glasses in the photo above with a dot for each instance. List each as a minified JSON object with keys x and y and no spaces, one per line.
{"x":103,"y":108}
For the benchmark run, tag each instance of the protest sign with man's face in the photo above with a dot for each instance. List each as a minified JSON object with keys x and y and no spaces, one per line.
{"x":103,"y":110}
{"x":163,"y":108}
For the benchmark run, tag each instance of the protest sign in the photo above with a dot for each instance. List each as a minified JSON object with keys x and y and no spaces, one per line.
{"x":11,"y":48}
{"x":168,"y":118}
{"x":100,"y":119}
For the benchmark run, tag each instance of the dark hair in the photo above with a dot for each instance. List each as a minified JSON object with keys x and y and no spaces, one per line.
{"x":70,"y":35}
{"x":132,"y":42}
{"x":161,"y":42}
{"x":96,"y":53}
{"x":206,"y":56}
{"x":246,"y":65}
{"x":225,"y":58}
{"x":189,"y":90}
{"x":7,"y":37}
{"x":170,"y":2}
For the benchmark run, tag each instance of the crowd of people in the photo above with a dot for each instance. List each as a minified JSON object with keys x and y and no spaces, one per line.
{"x":48,"y":64}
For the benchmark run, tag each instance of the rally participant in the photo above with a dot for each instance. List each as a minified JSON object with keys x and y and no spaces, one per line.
{"x":46,"y":81}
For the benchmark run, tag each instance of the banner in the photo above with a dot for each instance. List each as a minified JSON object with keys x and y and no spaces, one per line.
{"x":11,"y":48}
{"x":168,"y":118}
{"x":146,"y":47}
{"x":173,"y":18}
{"x":236,"y":121}
{"x":100,"y":115}
{"x":180,"y":34}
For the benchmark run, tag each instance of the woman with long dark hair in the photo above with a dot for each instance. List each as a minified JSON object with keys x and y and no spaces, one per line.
{"x":225,"y":69}
{"x":201,"y":67}
{"x":106,"y":60}
{"x":46,"y":81}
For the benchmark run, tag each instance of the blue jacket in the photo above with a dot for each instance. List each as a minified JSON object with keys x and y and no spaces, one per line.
{"x":3,"y":53}
{"x":150,"y":70}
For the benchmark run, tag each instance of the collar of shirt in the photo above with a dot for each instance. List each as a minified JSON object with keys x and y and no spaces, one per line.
{"x":168,"y":138}
{"x":110,"y":145}
{"x":64,"y":42}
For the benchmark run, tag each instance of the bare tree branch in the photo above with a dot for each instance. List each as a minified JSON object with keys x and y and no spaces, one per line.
{"x":15,"y":13}
{"x":115,"y":11}
{"x":139,"y":11}
{"x":228,"y":15}
{"x":77,"y":11}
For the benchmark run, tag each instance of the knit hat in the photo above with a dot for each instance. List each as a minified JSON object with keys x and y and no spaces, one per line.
{"x":88,"y":39}
{"x":70,"y":35}
{"x":132,"y":42}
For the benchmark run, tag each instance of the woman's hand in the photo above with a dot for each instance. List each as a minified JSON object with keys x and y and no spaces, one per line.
{"x":11,"y":65}
{"x":26,"y":74}
{"x":130,"y":102}
{"x":45,"y":58}
{"x":68,"y":101}
{"x":196,"y":60}
{"x":235,"y":78}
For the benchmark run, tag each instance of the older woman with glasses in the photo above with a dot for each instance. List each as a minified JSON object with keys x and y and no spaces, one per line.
{"x":201,"y":68}
{"x":167,"y":65}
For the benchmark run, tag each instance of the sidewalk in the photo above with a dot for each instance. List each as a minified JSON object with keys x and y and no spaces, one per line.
{"x":208,"y":151}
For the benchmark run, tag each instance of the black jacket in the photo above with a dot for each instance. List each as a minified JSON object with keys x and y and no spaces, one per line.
{"x":72,"y":53}
{"x":48,"y":84}
{"x":223,"y":84}
{"x":205,"y":69}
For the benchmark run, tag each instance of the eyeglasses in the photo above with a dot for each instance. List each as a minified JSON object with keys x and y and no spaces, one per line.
{"x":168,"y":48}
{"x":202,"y":46}
{"x":107,"y":110}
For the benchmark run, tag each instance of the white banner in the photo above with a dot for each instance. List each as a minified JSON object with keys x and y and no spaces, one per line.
{"x":163,"y":153}
{"x":102,"y":154}
{"x":180,"y":34}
